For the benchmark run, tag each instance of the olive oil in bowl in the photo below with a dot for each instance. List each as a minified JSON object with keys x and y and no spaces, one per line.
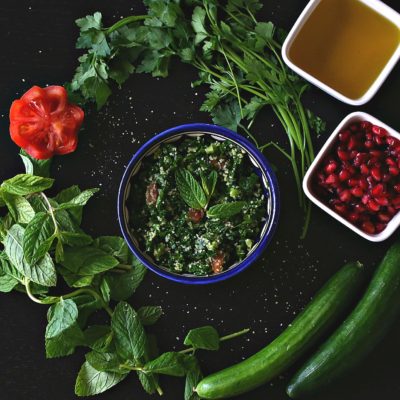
{"x":345,"y":44}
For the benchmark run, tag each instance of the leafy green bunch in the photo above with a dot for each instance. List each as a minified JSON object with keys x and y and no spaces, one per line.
{"x":237,"y":56}
{"x":42,"y":242}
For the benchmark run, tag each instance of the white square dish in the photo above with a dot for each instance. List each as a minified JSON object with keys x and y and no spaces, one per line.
{"x":394,"y":223}
{"x":376,"y":5}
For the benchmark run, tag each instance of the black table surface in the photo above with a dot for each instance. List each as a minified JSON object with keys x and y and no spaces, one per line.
{"x":37,"y":48}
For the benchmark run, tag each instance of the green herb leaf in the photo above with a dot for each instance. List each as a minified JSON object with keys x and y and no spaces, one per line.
{"x":129,"y":335}
{"x":206,"y":338}
{"x":24,"y":184}
{"x":209,"y":183}
{"x":19,"y":207}
{"x":77,"y":239}
{"x":122,"y":286}
{"x":105,"y":362}
{"x":42,"y":272}
{"x":88,"y":260}
{"x":190,"y":190}
{"x":115,"y":246}
{"x":149,"y":315}
{"x":90,"y":381}
{"x":170,"y":363}
{"x":193,"y":377}
{"x":225,"y":210}
{"x":80,"y":200}
{"x":34,"y":166}
{"x":62,"y":333}
{"x":38,"y":237}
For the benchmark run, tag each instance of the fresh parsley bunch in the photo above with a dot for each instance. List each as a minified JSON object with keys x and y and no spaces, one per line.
{"x":42,"y":242}
{"x":237,"y":56}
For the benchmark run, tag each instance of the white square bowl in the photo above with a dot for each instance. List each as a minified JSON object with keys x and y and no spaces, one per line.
{"x":376,"y":5}
{"x":358,"y":116}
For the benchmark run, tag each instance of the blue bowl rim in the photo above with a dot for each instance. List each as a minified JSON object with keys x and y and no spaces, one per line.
{"x":275,"y":202}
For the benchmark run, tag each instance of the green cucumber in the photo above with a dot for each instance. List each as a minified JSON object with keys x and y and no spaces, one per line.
{"x":320,"y":314}
{"x":358,"y":334}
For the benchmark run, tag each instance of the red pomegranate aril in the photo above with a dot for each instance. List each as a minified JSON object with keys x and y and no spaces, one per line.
{"x":366,"y":125}
{"x":354,"y":217}
{"x":340,"y":208}
{"x":389,"y":161}
{"x":345,"y":196}
{"x":380,"y":227}
{"x":373,"y":205}
{"x":379,"y":131}
{"x":331,"y":167}
{"x":369,"y":144}
{"x":364,"y":169}
{"x":354,"y":127}
{"x":382,"y":200}
{"x":383,"y":217}
{"x":391,"y":210}
{"x":344,"y":136}
{"x":396,"y":201}
{"x":377,"y":190}
{"x":369,"y":135}
{"x":397,"y":188}
{"x":344,"y":174}
{"x":368,"y":227}
{"x":343,"y":155}
{"x":352,"y":182}
{"x":332,"y":179}
{"x":365,"y":199}
{"x":386,"y":177}
{"x":363,"y":183}
{"x":376,"y":174}
{"x":360,"y":208}
{"x":353,"y":154}
{"x":390,"y":140}
{"x":352,"y":143}
{"x":393,"y":171}
{"x":357,"y":191}
{"x":378,"y":140}
{"x":376,"y":153}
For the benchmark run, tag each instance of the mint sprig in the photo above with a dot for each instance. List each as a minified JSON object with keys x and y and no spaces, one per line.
{"x":190,"y":190}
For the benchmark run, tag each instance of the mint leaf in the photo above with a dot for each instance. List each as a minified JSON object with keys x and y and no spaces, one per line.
{"x":62,"y":333}
{"x":149,"y":382}
{"x":106,"y":362}
{"x":42,"y":272}
{"x":190,"y":190}
{"x":24,"y":184}
{"x":19,"y":207}
{"x":115,"y":246}
{"x":67,"y":195}
{"x":88,"y":260}
{"x":193,"y":377}
{"x":149,"y":315}
{"x":209,"y":183}
{"x":96,"y":336}
{"x":90,"y":381}
{"x":129,"y":335}
{"x":78,"y":201}
{"x":34,"y":166}
{"x":77,"y":239}
{"x":206,"y":338}
{"x":226,"y":210}
{"x":170,"y":363}
{"x":122,"y":286}
{"x":38,"y":237}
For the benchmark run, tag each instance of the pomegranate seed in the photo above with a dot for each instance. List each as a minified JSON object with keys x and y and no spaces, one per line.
{"x":332,"y":179}
{"x":365,"y":199}
{"x":389,"y":161}
{"x":397,"y":188}
{"x":382,"y":201}
{"x":390,"y":140}
{"x":354,"y":127}
{"x":344,"y":136}
{"x":373,"y":205}
{"x":379,"y":131}
{"x":343,"y":155}
{"x":354,"y":217}
{"x":378,"y":140}
{"x":359,"y":208}
{"x":391,"y":210}
{"x":376,"y":174}
{"x":353,"y":144}
{"x":345,"y":196}
{"x":357,"y":191}
{"x":396,"y":201}
{"x":363,"y":183}
{"x":368,"y":227}
{"x":386,"y":177}
{"x":383,"y":217}
{"x":369,"y":136}
{"x":352,"y":182}
{"x":365,"y":125}
{"x":371,"y":181}
{"x":369,"y":144}
{"x":364,"y":169}
{"x":377,"y":190}
{"x":376,"y":153}
{"x":380,"y":227}
{"x":195,"y":215}
{"x":341,"y":208}
{"x":353,"y":154}
{"x":393,"y":171}
{"x":331,"y":167}
{"x":344,"y":174}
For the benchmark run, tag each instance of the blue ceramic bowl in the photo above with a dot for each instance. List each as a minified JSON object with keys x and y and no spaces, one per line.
{"x":261,"y":167}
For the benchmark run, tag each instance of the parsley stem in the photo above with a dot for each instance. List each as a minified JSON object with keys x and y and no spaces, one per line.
{"x":125,"y":21}
{"x":222,"y":339}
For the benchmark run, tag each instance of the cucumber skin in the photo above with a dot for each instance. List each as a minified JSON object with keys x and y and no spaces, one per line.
{"x":358,"y":334}
{"x":327,"y":306}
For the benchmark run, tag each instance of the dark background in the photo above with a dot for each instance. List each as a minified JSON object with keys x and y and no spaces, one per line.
{"x":37,"y":47}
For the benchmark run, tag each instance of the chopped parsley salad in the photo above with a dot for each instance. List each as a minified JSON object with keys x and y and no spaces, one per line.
{"x":196,"y":206}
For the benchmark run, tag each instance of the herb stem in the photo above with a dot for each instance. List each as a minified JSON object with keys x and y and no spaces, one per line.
{"x":51,"y":211}
{"x":125,"y":21}
{"x":222,"y":339}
